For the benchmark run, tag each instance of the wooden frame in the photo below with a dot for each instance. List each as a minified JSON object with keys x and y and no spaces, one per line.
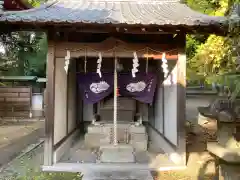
{"x":181,"y":100}
{"x":59,"y":51}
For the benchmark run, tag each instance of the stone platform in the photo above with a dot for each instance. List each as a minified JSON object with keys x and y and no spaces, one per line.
{"x":119,"y":175}
{"x":128,"y":133}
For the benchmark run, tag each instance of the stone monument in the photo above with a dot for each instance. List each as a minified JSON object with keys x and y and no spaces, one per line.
{"x":227,"y":147}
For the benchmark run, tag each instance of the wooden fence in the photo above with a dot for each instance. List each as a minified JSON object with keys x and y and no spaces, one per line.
{"x":15,"y":101}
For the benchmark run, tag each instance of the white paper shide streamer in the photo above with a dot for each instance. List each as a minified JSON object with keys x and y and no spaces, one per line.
{"x":99,"y":65}
{"x":135,"y":65}
{"x":165,"y":69}
{"x":67,"y":60}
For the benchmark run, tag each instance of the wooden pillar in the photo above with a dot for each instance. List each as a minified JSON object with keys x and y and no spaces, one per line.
{"x":60,"y":101}
{"x":181,"y":98}
{"x":71,"y":98}
{"x":50,"y":93}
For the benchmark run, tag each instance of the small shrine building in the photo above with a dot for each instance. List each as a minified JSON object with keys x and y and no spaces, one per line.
{"x":116,"y":80}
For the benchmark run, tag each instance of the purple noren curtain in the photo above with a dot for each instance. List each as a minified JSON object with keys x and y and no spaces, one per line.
{"x":141,"y":88}
{"x":93,"y":88}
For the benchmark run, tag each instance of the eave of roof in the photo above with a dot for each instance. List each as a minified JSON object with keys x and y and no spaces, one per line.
{"x":121,"y":12}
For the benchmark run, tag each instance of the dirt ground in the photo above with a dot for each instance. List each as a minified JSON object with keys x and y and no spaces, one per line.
{"x":11,"y":131}
{"x":200,"y":164}
{"x":17,"y":135}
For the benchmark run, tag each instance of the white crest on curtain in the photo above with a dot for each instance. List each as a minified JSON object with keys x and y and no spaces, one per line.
{"x":67,"y":59}
{"x":136,"y":87}
{"x":99,"y":87}
{"x":135,"y":64}
{"x":99,"y":64}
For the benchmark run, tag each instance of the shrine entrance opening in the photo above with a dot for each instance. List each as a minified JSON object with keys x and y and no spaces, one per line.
{"x":128,"y":108}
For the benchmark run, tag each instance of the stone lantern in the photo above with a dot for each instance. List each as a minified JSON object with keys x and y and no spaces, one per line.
{"x":227,"y":148}
{"x":228,"y":131}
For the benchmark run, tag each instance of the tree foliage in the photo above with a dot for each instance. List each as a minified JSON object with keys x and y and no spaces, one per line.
{"x":25,"y":52}
{"x":33,"y":3}
{"x":217,"y":59}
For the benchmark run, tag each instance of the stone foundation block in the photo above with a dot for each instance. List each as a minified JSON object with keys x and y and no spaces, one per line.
{"x":140,"y":146}
{"x":93,"y":129}
{"x":137,"y":129}
{"x":96,"y":140}
{"x":139,"y":142}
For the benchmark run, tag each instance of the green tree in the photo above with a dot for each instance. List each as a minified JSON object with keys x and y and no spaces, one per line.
{"x":32,"y":3}
{"x":25,"y":53}
{"x":216,"y":59}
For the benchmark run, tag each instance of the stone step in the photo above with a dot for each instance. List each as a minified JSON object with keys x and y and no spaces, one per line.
{"x":127,"y":133}
{"x":117,"y":154}
{"x":119,"y":175}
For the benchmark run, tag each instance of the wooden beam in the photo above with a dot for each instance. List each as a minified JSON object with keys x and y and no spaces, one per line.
{"x":110,"y":28}
{"x":159,"y":56}
{"x":181,"y":99}
{"x":49,"y":122}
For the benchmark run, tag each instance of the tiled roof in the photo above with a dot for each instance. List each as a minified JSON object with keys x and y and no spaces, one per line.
{"x":144,"y":12}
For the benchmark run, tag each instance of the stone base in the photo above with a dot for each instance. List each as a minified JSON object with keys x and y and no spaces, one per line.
{"x":229,"y":172}
{"x":117,"y":154}
{"x":226,"y":154}
{"x":202,"y":119}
